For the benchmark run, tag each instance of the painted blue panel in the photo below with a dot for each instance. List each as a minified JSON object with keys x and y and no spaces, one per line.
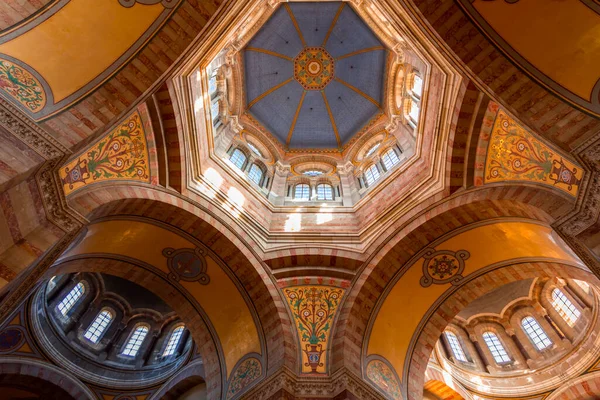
{"x":276,"y":111}
{"x":350,"y":110}
{"x":278,"y":34}
{"x":314,"y":20}
{"x":264,"y":72}
{"x":313,"y":128}
{"x":364,"y":71}
{"x":350,"y":34}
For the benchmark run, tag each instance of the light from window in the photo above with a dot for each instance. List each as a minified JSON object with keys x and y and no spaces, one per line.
{"x":214,"y":111}
{"x":496,"y":348}
{"x":372,"y":174}
{"x":313,"y":172}
{"x":255,"y":174}
{"x":254,"y":149}
{"x":238,"y":158}
{"x":212,"y":84}
{"x":372,"y":149}
{"x":583,"y":285}
{"x":302,"y":192}
{"x":455,"y":346}
{"x":71,"y":298}
{"x":97,"y":328}
{"x":565,"y":308}
{"x":414,"y":111}
{"x":135,"y":341}
{"x":173,"y":341}
{"x":417,"y":88}
{"x":535,"y":332}
{"x":324,"y":192}
{"x":390,"y":158}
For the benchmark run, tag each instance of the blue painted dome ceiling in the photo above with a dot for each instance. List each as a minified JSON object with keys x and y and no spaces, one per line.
{"x":314,"y":75}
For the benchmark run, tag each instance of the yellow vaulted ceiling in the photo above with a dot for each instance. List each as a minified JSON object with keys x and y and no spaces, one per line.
{"x":81,"y":41}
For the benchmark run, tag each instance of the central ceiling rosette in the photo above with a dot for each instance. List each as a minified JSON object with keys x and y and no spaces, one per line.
{"x":314,"y":75}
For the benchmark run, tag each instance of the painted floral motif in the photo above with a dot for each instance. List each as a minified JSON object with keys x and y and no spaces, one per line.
{"x":244,"y":375}
{"x":10,"y":339}
{"x":187,"y":265}
{"x":313,"y":309}
{"x":382,"y":376}
{"x":21,"y":85}
{"x":120,"y":155}
{"x":516,"y":155}
{"x":443,"y":266}
{"x":313,"y":68}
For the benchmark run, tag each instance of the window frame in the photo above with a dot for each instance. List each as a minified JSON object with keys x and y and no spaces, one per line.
{"x":564,"y":307}
{"x":307,"y":198}
{"x":329,"y":187}
{"x":374,"y":176}
{"x":456,"y":347}
{"x":498,"y":351}
{"x":385,"y":156}
{"x":372,"y":149}
{"x":537,"y":336}
{"x":68,"y":302}
{"x":133,"y":341}
{"x":255,"y":166}
{"x":172,"y":344}
{"x":100,"y":324}
{"x":233,"y":154}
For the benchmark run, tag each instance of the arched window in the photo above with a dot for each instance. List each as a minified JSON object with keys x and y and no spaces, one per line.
{"x":96,"y":329}
{"x":564,"y":307}
{"x":135,"y":341}
{"x":238,"y":158}
{"x":416,"y":92}
{"x":71,"y":298}
{"x":302,"y":192}
{"x":455,"y":346}
{"x":173,"y":341}
{"x":417,"y":88}
{"x":254,"y":149}
{"x":255,"y":174}
{"x":496,"y":348}
{"x":372,"y":174}
{"x":324,"y":192}
{"x":372,"y":149}
{"x":313,"y":172}
{"x":390,"y":158}
{"x":535,"y":332}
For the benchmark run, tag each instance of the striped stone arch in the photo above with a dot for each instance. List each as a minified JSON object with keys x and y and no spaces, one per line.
{"x":443,"y":385}
{"x":586,"y":387}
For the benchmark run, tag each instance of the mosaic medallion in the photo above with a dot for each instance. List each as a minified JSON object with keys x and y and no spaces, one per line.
{"x":313,"y":68}
{"x":10,"y":339}
{"x":187,"y":265}
{"x":443,"y":266}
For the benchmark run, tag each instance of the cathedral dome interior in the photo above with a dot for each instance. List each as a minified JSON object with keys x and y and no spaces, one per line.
{"x":299,"y":200}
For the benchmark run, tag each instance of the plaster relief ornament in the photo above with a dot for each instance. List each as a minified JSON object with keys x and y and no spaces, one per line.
{"x":313,"y":68}
{"x":187,"y":265}
{"x":443,"y":266}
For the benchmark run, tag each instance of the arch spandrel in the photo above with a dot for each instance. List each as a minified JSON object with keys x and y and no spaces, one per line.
{"x":226,"y":308}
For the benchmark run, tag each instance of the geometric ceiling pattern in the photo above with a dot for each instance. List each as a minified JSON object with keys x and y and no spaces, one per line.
{"x":314,"y":75}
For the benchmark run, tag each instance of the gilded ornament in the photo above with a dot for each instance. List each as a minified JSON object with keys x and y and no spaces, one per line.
{"x":443,"y":266}
{"x":313,"y":68}
{"x":22,"y":86}
{"x":187,"y":265}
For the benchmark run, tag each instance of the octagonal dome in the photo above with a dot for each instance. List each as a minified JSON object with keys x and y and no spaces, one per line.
{"x":314,"y":75}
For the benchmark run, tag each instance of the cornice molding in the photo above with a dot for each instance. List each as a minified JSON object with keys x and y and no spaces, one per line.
{"x":327,"y":387}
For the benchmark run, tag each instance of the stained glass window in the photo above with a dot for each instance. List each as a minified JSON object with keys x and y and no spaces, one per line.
{"x":455,"y":346}
{"x":135,"y":341}
{"x":535,"y":332}
{"x":71,"y":298}
{"x":324,"y":192}
{"x":390,"y":158}
{"x":302,"y":192}
{"x":255,"y":174}
{"x":173,"y":341}
{"x":238,"y":158}
{"x":565,"y":308}
{"x":372,"y":174}
{"x":97,"y":328}
{"x":496,"y":348}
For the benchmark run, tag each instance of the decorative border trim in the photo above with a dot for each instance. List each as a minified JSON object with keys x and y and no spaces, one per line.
{"x":165,"y":3}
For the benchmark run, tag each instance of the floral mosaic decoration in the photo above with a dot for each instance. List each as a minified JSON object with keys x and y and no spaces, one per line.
{"x":121,"y":155}
{"x":516,"y":155}
{"x":384,"y":378}
{"x":248,"y":371}
{"x":22,"y":86}
{"x":313,"y":309}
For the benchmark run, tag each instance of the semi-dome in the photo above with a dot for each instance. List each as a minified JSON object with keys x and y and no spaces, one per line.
{"x":314,"y":75}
